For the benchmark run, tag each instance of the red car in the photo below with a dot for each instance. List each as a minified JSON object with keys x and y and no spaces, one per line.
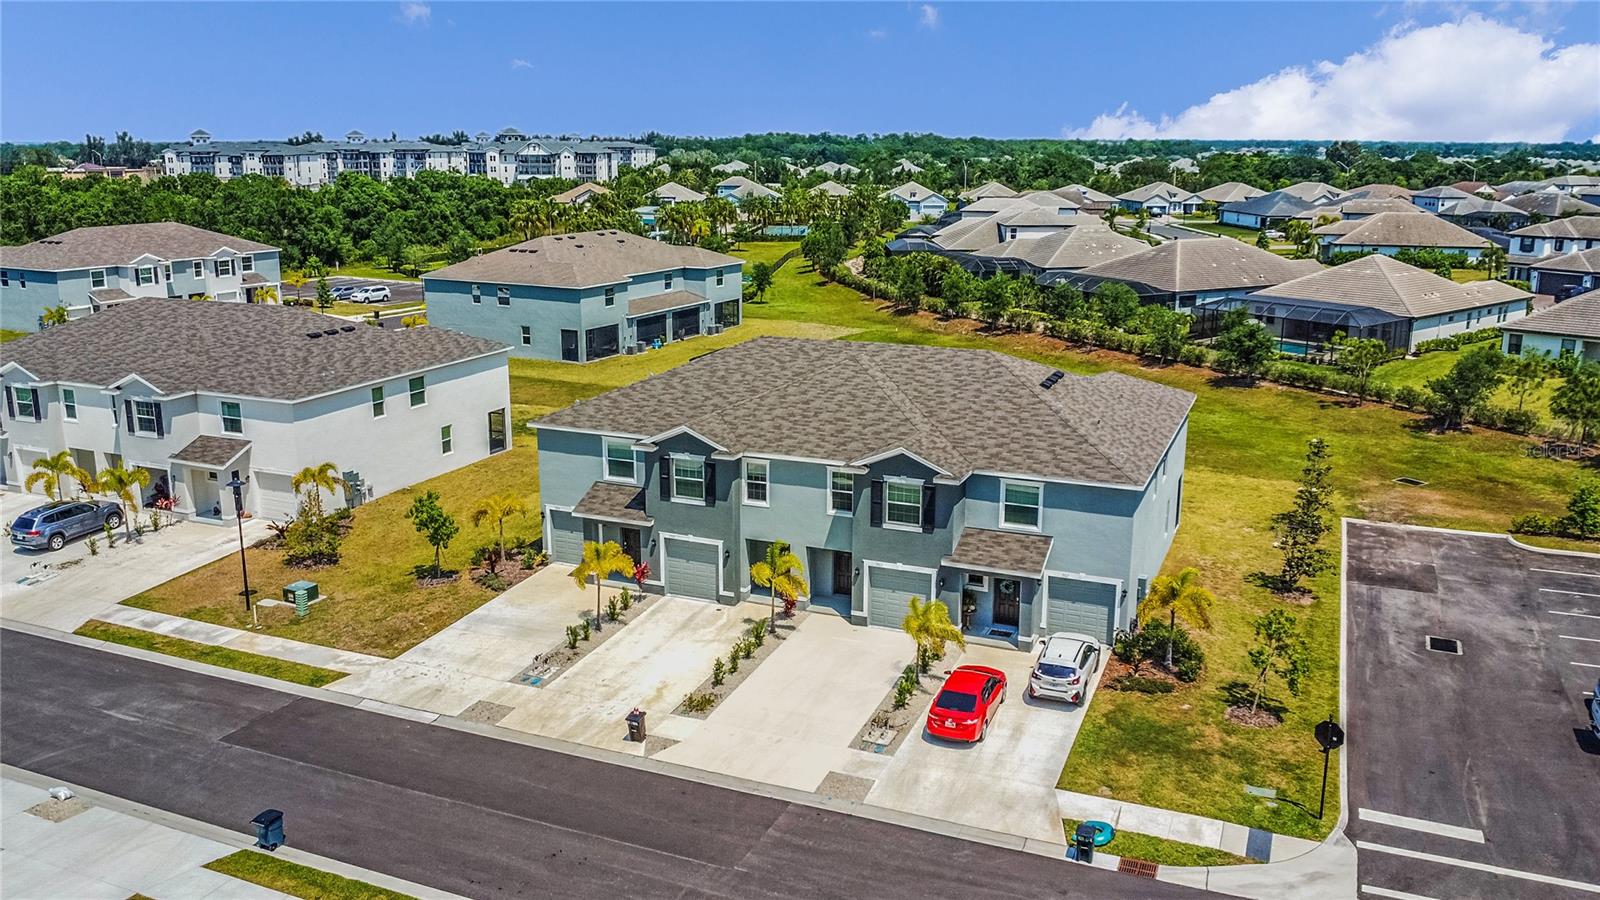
{"x":967,"y":702}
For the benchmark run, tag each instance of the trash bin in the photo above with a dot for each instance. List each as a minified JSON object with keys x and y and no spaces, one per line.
{"x":269,"y":829}
{"x":636,"y":726}
{"x":1083,"y":842}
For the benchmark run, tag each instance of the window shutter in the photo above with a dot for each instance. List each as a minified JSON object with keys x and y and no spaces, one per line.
{"x":711,"y":483}
{"x":38,"y":410}
{"x":127,"y":408}
{"x":11,"y":408}
{"x":927,"y":507}
{"x":877,"y":503}
{"x":666,"y":477}
{"x":161,"y":430}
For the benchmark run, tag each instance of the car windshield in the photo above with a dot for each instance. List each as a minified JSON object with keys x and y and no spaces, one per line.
{"x":1056,"y":670}
{"x":956,"y":701}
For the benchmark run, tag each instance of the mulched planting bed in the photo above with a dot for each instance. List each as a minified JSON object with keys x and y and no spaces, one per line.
{"x":1241,"y":715}
{"x":903,"y":721}
{"x":548,"y":666}
{"x":732,"y":680}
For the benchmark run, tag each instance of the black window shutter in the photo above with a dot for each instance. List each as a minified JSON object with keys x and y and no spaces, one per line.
{"x":711,"y":483}
{"x":38,"y":410}
{"x":877,"y":503}
{"x":161,"y":430}
{"x":666,"y":477}
{"x":127,"y":408}
{"x":11,"y":408}
{"x":927,"y":507}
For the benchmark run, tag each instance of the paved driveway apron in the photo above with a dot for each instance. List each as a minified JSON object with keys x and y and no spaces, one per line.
{"x":1471,"y":775}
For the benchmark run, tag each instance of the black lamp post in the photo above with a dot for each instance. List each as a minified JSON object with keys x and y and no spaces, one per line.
{"x":1331,"y":737}
{"x":238,"y":515}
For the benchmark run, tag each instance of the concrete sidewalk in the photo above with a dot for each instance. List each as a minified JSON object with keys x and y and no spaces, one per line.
{"x":237,"y":639}
{"x":1240,"y":840}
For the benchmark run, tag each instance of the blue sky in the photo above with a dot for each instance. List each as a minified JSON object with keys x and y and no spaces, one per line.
{"x":1269,"y":70}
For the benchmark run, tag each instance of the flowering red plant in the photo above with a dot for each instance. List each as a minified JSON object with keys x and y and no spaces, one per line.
{"x":641,"y":573}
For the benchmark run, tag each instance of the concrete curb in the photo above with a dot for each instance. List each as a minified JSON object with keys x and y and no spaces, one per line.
{"x":226,"y":836}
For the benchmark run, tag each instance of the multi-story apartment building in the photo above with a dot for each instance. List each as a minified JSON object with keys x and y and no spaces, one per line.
{"x":197,"y":393}
{"x":86,"y":270}
{"x":585,"y":296}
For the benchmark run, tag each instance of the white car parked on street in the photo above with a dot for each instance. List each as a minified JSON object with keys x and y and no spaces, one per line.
{"x":378,"y":293}
{"x":1067,"y":663}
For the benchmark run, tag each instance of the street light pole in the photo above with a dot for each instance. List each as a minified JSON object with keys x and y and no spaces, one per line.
{"x":244,"y":567}
{"x":1331,"y":737}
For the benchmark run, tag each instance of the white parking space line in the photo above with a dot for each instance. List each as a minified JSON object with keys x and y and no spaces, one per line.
{"x":1568,"y":593}
{"x":1565,"y":572}
{"x":1584,"y":886}
{"x":1439,"y":828}
{"x":1573,"y":637}
{"x":1587,"y":665}
{"x":1557,"y":612}
{"x":1388,"y":892}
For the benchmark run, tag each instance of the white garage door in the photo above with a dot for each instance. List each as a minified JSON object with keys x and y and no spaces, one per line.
{"x":889,"y":593}
{"x":1087,"y":607}
{"x":565,"y":541}
{"x":691,"y":568}
{"x":274,"y":499}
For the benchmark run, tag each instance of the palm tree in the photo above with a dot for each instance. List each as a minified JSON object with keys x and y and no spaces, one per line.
{"x":268,"y":294}
{"x":314,"y":480}
{"x":928,"y":623}
{"x":296,"y":280}
{"x":52,"y":472}
{"x":54,"y":315}
{"x":126,"y":485}
{"x":497,"y":508}
{"x":1180,"y":596}
{"x":782,"y":574}
{"x":533,"y":218}
{"x":1494,"y":259}
{"x":601,"y":561}
{"x":1112,"y":214}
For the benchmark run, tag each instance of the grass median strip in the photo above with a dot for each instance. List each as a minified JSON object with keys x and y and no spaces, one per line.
{"x":297,"y":880}
{"x":227,"y":658}
{"x":1161,"y":851}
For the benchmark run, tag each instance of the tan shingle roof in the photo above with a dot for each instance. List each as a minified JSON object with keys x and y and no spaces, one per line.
{"x":1383,"y":282}
{"x":582,"y":259}
{"x":643,"y":306}
{"x":1006,"y":552}
{"x":1399,"y":229}
{"x":1156,"y":189}
{"x":1587,"y":227}
{"x":744,"y":187}
{"x":572,"y":194}
{"x":118,"y":245}
{"x":211,"y":450}
{"x":1578,"y":317}
{"x":832,"y":189}
{"x":604,"y":500}
{"x":677,"y":193}
{"x":1231,"y":192}
{"x":988,"y":189}
{"x":1202,"y":264}
{"x":1371,"y":206}
{"x":1075,"y":248}
{"x":1587,"y":261}
{"x":911,"y":191}
{"x":1552,"y":204}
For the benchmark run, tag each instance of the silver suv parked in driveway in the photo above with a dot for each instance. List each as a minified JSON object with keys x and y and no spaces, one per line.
{"x":1067,"y":663}
{"x":53,"y":524}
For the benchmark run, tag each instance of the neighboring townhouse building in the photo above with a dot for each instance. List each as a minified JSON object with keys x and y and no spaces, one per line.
{"x":988,"y":189}
{"x":1160,"y":199}
{"x":1554,"y":238}
{"x":883,"y":481}
{"x":738,"y":188}
{"x":588,"y":295}
{"x":1389,"y":233}
{"x":90,"y":269}
{"x":1182,"y":274}
{"x":1374,"y":297}
{"x":1567,"y":275}
{"x":1552,"y":204}
{"x":198,"y":393}
{"x":1269,"y":210}
{"x":919,"y":201}
{"x":1570,"y":328}
{"x":1230,"y":192}
{"x":579,"y":195}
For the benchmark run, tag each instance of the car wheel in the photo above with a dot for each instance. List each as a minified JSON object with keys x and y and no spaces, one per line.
{"x":57,"y":541}
{"x":114,"y":520}
{"x":984,"y":733}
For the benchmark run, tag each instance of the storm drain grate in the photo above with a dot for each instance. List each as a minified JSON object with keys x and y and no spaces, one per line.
{"x":1444,"y":645}
{"x":1136,"y":867}
{"x":1408,"y":481}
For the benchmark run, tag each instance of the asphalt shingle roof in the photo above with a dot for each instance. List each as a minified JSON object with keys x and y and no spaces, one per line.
{"x":1402,"y":229}
{"x":1578,"y":317}
{"x":988,"y":189}
{"x":1553,"y":204}
{"x":641,"y":306}
{"x":1586,"y":261}
{"x":1075,"y":248}
{"x":1587,"y":227}
{"x":1383,"y":282}
{"x":1007,"y":552}
{"x":1231,"y":192}
{"x":605,"y":500}
{"x":1159,"y":189}
{"x":1274,"y":205}
{"x":677,"y":193}
{"x":580,"y":259}
{"x":247,"y":349}
{"x":860,"y":399}
{"x":211,"y":450}
{"x":118,"y":245}
{"x":1202,"y":264}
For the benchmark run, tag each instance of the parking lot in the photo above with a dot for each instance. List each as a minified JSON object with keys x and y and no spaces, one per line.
{"x":1471,"y":769}
{"x":401,"y":293}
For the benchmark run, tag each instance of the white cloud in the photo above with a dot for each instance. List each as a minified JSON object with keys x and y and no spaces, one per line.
{"x":928,"y":16}
{"x":416,"y":13}
{"x":521,"y":64}
{"x":1474,"y":79}
{"x":878,"y":34}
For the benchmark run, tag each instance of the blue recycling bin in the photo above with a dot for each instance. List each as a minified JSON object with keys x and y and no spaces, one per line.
{"x":269,"y":829}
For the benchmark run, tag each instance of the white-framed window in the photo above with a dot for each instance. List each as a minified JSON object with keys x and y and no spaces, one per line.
{"x":689,"y":479}
{"x":477,"y":294}
{"x":145,"y":416}
{"x":247,"y":263}
{"x":166,"y":272}
{"x":841,"y":493}
{"x":902,"y":504}
{"x":25,"y":407}
{"x":232,"y":417}
{"x":69,"y":404}
{"x":756,"y":472}
{"x":199,"y":269}
{"x":502,"y":296}
{"x":666,"y":282}
{"x":611,"y":296}
{"x":1021,"y":505}
{"x":377,"y":402}
{"x":527,"y":335}
{"x":227,"y":296}
{"x":419,"y":390}
{"x":621,"y":465}
{"x":446,"y":443}
{"x":719,"y":278}
{"x":97,"y":278}
{"x":144,"y":275}
{"x":977,"y":582}
{"x":224,"y":268}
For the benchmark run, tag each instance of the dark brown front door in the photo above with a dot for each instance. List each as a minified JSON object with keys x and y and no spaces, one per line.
{"x":843,"y":574}
{"x":630,"y":543}
{"x":1007,"y":601}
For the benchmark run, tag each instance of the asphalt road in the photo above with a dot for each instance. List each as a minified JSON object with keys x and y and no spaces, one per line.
{"x":1491,"y":743}
{"x":465,"y":813}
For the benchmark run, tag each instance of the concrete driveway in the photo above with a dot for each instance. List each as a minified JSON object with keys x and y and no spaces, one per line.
{"x":651,"y":664}
{"x":793,"y":720}
{"x":1008,"y":782}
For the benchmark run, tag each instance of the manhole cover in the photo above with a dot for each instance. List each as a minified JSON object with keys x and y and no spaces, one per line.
{"x":1444,"y":645}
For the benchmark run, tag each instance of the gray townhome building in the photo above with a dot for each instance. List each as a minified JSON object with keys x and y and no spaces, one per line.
{"x":1027,"y":500}
{"x":585,"y":296}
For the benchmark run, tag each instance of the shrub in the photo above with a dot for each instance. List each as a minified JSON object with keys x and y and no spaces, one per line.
{"x":311,"y":540}
{"x":492,"y":580}
{"x":1457,"y":341}
{"x":733,"y":660}
{"x":584,"y":629}
{"x":1534,"y":523}
{"x":1520,"y":421}
{"x":747,"y":648}
{"x":902,"y":693}
{"x":94,"y":547}
{"x":758,"y":633}
{"x":572,"y":637}
{"x":1195,"y":355}
{"x":1411,"y":397}
{"x":697,"y":703}
{"x":1187,"y":657}
{"x":625,"y":599}
{"x":719,"y":672}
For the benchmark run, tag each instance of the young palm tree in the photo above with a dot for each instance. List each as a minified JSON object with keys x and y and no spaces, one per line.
{"x":497,"y":508}
{"x":1182,"y":596}
{"x":601,"y":561}
{"x":296,"y":281}
{"x":52,"y":472}
{"x":782,"y":573}
{"x":126,"y":485}
{"x":314,"y":480}
{"x":928,"y":623}
{"x":53,"y":315}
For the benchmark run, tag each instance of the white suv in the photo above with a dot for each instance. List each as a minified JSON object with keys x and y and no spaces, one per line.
{"x":370,"y":294}
{"x":1067,"y":663}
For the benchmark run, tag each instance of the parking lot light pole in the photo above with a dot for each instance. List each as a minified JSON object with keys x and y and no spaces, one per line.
{"x":238,"y":516}
{"x":1331,"y":737}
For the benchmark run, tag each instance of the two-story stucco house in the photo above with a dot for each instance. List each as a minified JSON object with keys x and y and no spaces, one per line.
{"x":196,"y":393}
{"x":585,"y":296}
{"x":1027,"y":500}
{"x":919,"y":201}
{"x":1554,"y":238}
{"x":89,"y":269}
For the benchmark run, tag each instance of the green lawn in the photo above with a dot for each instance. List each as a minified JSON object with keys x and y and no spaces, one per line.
{"x":1248,"y":235}
{"x":1162,"y":851}
{"x":1419,"y":371}
{"x":296,"y":880}
{"x":7,"y":334}
{"x":227,"y":658}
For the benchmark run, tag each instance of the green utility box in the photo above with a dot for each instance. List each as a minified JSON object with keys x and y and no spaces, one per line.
{"x":301,"y":594}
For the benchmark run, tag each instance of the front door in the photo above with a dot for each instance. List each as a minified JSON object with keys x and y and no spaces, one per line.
{"x":630,"y":543}
{"x":843,"y":573}
{"x":497,"y":430}
{"x":569,"y":345}
{"x":1007,"y":601}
